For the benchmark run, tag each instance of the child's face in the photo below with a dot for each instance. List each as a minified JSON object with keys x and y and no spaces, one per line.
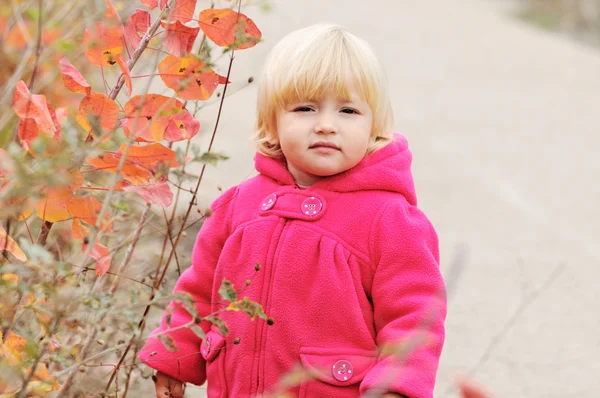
{"x":325,"y":137}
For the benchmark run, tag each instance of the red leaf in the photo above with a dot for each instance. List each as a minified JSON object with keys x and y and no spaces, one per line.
{"x":179,"y":38}
{"x":153,"y":118}
{"x":97,"y":110}
{"x":33,"y":106}
{"x":101,"y":254}
{"x":28,"y":131}
{"x":182,"y":126}
{"x":159,"y":194}
{"x":182,"y":10}
{"x":223,"y":79}
{"x":189,"y":77}
{"x":72,"y":79}
{"x":151,"y":4}
{"x":138,"y":22}
{"x":8,"y":244}
{"x":226,"y":27}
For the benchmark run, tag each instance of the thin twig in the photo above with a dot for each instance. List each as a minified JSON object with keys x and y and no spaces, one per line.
{"x":92,"y":336}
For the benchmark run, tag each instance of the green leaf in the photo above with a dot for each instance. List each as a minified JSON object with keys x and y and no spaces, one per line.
{"x":248,"y":307}
{"x":219,"y":323}
{"x":227,"y":291}
{"x":168,"y":342}
{"x":211,"y":158}
{"x":198,"y":331}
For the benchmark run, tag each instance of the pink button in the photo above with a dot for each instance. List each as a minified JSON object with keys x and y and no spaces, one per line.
{"x":311,"y":206}
{"x":342,"y":370}
{"x":268,"y":202}
{"x":205,"y":350}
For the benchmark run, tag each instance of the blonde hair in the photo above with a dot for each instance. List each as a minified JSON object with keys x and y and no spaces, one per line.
{"x":309,"y":62}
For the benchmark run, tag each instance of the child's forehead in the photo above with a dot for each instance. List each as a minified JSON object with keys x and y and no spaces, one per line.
{"x":341,"y":91}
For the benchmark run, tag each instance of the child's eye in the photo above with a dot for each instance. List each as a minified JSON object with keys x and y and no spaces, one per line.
{"x":302,"y":109}
{"x":350,"y":111}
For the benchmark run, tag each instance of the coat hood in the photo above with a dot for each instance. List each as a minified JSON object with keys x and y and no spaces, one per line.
{"x":387,"y":169}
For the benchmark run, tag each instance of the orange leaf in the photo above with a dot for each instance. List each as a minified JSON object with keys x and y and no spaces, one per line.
{"x":32,"y":106}
{"x":101,"y":254}
{"x":179,"y":38}
{"x":181,"y":10}
{"x":138,"y":22}
{"x":85,"y":209}
{"x":53,"y":207}
{"x":126,"y":74}
{"x":469,"y":389}
{"x":151,"y":4}
{"x":103,"y":44}
{"x":152,"y":156}
{"x":182,"y":126}
{"x":144,"y":165}
{"x":152,"y":118}
{"x":97,"y":110}
{"x":8,"y":244}
{"x":72,"y":79}
{"x":79,"y":231}
{"x":226,"y":27}
{"x":159,"y":194}
{"x":189,"y":77}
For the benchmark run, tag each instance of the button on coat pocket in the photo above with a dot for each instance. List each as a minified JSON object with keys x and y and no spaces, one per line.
{"x":335,"y":372}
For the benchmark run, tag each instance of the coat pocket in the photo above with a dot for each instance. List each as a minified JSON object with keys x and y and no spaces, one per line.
{"x":335,"y":372}
{"x":213,"y":351}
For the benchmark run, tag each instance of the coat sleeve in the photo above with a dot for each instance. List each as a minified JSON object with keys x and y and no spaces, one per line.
{"x":186,"y":363}
{"x":409,"y":301}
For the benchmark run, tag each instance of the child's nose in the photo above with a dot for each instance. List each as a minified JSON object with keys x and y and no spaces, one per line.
{"x":325,"y":124}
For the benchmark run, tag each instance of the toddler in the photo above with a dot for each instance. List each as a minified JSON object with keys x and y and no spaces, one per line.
{"x":327,"y":238}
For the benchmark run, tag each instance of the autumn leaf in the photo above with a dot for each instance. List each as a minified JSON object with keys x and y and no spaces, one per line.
{"x":189,"y":77}
{"x":151,"y":4}
{"x":53,"y":207}
{"x":468,"y":389}
{"x":101,"y":254}
{"x":150,"y":117}
{"x":158,"y":194}
{"x":137,"y":23}
{"x":97,"y":110}
{"x":181,"y":10}
{"x":179,"y":38}
{"x":103,"y":44}
{"x":144,"y":165}
{"x":79,"y":231}
{"x":28,"y":130}
{"x":87,"y":209}
{"x":33,"y":106}
{"x":9,"y":245}
{"x":182,"y":126}
{"x":72,"y":78}
{"x":226,"y":27}
{"x":126,"y":73}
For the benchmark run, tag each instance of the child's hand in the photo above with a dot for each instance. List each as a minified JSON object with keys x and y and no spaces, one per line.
{"x":166,"y":386}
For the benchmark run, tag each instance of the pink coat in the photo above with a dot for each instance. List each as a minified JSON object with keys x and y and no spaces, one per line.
{"x":346,"y":266}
